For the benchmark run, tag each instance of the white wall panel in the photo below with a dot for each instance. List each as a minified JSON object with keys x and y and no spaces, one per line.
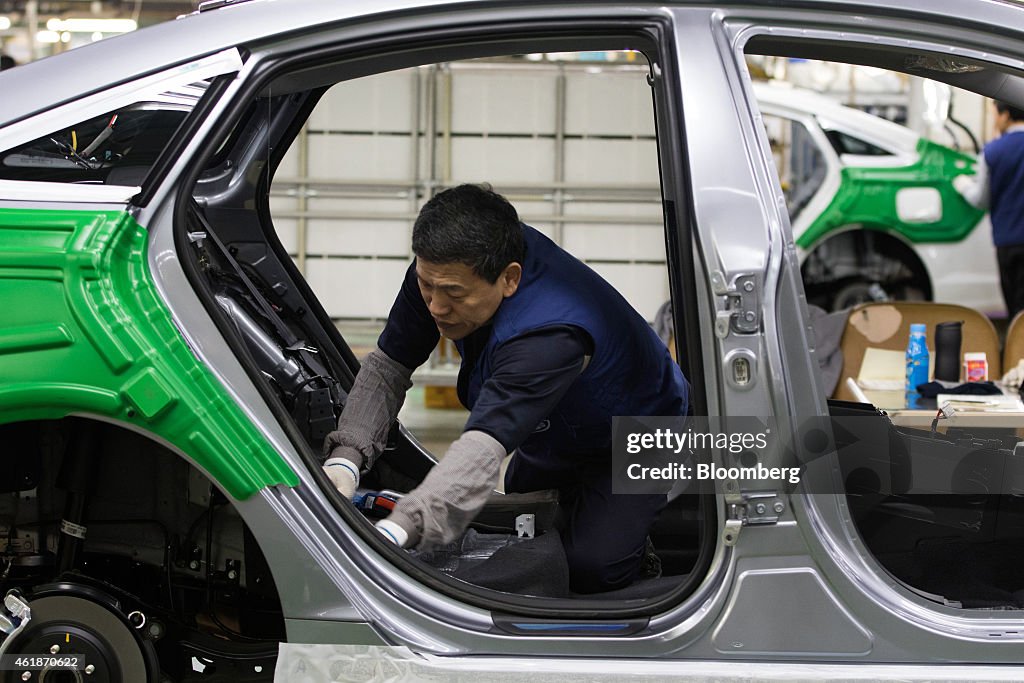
{"x":354,"y":288}
{"x":287,"y":228}
{"x":360,"y":157}
{"x":282,"y":204}
{"x":498,"y":160}
{"x":383,"y":102}
{"x":288,"y":233}
{"x":608,"y":103}
{"x":611,"y":161}
{"x":424,"y":170}
{"x":503,"y":102}
{"x":608,"y":109}
{"x":362,"y":205}
{"x":975,"y":112}
{"x":289,"y":166}
{"x":645,"y":211}
{"x":615,"y":242}
{"x":645,"y":287}
{"x":530,"y":211}
{"x":340,"y":237}
{"x":545,"y":228}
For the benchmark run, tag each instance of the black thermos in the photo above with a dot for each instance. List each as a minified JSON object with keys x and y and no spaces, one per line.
{"x":947,"y":351}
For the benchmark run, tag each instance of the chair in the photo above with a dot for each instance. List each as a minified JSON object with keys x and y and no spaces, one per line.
{"x":886,"y":325}
{"x":1014,"y":348}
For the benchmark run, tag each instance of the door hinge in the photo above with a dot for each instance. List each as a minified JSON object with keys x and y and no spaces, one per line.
{"x":753,"y":508}
{"x":742,"y":312}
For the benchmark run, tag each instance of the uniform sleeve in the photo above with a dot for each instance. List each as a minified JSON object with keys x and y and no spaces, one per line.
{"x":410,"y":334}
{"x":975,"y":189}
{"x":373,"y":404}
{"x":530,"y":375}
{"x":438,"y":510}
{"x":384,"y":378}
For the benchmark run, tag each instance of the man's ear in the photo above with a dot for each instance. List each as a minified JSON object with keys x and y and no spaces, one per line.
{"x":510,"y":278}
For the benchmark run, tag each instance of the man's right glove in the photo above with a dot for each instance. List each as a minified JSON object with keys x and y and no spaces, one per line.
{"x":393,"y":532}
{"x":343,"y":473}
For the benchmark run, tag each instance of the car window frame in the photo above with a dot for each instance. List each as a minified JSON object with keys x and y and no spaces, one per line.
{"x":269,"y":60}
{"x":830,"y":183}
{"x":120,"y":96}
{"x":827,"y":512}
{"x":124,"y":95}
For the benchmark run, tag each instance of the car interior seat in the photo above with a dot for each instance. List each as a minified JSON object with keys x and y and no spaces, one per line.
{"x":1013,"y":349}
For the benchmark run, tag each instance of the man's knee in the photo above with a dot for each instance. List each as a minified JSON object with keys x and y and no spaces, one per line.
{"x":595,"y":570}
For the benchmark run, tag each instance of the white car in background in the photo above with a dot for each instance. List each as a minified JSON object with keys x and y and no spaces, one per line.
{"x":873,"y":208}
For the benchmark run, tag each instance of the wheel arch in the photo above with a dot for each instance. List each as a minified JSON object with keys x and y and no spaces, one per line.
{"x":842,"y":254}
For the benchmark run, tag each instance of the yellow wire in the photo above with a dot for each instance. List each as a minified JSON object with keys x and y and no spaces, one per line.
{"x":74,"y":142}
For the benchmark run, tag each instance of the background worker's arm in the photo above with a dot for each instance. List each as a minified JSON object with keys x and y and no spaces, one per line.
{"x":974,"y":189}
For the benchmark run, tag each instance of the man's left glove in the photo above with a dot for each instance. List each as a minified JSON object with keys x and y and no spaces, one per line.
{"x":343,"y":473}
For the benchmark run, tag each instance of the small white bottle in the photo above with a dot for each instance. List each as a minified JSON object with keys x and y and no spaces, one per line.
{"x":975,"y":367}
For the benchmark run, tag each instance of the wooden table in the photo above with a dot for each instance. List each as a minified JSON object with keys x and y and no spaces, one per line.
{"x":922,"y":419}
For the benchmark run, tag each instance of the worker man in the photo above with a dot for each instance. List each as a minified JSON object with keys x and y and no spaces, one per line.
{"x":998,"y":184}
{"x":550,"y":353}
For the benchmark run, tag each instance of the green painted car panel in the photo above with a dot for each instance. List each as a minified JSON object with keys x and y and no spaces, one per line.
{"x":84,"y":331}
{"x":867,"y":197}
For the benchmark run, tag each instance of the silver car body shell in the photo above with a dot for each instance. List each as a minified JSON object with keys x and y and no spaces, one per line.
{"x":803,"y":591}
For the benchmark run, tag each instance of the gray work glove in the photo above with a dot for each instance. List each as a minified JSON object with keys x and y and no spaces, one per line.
{"x":393,"y":532}
{"x":437,"y":511}
{"x":342,"y":470}
{"x":344,"y":474}
{"x":376,"y":397}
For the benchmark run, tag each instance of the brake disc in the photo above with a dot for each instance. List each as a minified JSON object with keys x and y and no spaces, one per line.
{"x":66,"y":627}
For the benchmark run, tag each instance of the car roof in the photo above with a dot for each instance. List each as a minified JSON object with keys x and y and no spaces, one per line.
{"x":70,"y":75}
{"x":831,"y":114}
{"x":67,"y":76}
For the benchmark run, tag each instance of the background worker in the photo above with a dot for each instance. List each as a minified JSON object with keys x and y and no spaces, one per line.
{"x":998,"y":185}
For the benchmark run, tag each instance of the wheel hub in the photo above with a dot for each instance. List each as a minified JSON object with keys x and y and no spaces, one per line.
{"x":67,"y":626}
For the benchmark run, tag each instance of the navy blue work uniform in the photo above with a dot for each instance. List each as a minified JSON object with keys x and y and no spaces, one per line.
{"x":1004,"y":157}
{"x":561,"y":356}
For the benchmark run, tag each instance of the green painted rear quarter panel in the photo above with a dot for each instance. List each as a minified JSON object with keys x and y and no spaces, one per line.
{"x":82,"y":330}
{"x":867,"y":197}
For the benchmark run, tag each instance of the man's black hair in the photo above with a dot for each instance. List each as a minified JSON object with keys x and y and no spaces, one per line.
{"x":1016,"y":113}
{"x":470,"y":224}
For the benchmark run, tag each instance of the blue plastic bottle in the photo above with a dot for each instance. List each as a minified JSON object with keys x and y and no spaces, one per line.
{"x":917,"y":363}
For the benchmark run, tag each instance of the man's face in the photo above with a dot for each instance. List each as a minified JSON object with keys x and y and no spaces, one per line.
{"x":459,"y":300}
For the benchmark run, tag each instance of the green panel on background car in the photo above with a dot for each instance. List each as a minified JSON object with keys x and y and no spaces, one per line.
{"x":867,"y":196}
{"x":84,"y":332}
